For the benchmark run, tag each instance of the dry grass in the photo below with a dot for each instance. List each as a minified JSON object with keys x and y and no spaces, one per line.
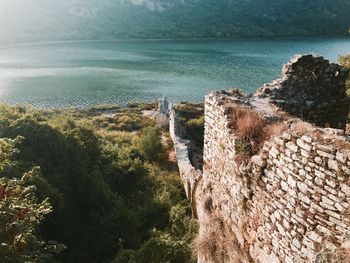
{"x":242,"y":158}
{"x":276,"y":129}
{"x":340,"y":255}
{"x":250,"y":128}
{"x":218,"y":244}
{"x":249,"y":125}
{"x":253,"y":130}
{"x":301,"y":127}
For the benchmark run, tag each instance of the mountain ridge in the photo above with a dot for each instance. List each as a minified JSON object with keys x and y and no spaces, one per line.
{"x":39,"y":20}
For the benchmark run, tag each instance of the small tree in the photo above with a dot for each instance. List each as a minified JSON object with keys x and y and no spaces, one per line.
{"x":345,"y":62}
{"x":150,"y":144}
{"x":20,"y":214}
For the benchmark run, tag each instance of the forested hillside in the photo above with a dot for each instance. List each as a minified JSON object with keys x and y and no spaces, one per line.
{"x":35,"y":20}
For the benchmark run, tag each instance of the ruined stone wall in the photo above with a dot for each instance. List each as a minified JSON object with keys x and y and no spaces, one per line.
{"x":189,"y":174}
{"x":287,"y":203}
{"x":313,"y":89}
{"x":288,"y":199}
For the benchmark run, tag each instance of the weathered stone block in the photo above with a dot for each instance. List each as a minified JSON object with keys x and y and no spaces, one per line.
{"x":303,"y":145}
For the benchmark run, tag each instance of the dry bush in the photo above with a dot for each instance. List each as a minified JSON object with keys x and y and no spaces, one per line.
{"x":218,"y":244}
{"x":275,"y":129}
{"x":249,"y":125}
{"x":253,"y":131}
{"x":242,"y":158}
{"x":340,"y":255}
{"x":301,"y":127}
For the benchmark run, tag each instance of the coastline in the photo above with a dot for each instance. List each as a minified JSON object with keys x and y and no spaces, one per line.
{"x":257,"y":38}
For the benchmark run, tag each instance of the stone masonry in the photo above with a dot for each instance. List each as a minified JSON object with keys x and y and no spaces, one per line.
{"x":290,"y":200}
{"x":189,"y":174}
{"x":313,"y":89}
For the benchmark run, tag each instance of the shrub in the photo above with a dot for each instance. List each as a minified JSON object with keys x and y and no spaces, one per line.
{"x":340,"y":255}
{"x":244,"y":150}
{"x":192,"y":128}
{"x":150,"y":144}
{"x":195,"y":128}
{"x":126,"y":256}
{"x":218,"y":244}
{"x":252,"y":131}
{"x":173,"y":245}
{"x":21,"y":214}
{"x":249,"y":125}
{"x":188,"y":110}
{"x":345,"y":62}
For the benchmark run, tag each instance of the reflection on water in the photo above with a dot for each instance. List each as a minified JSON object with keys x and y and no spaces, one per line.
{"x":85,"y":73}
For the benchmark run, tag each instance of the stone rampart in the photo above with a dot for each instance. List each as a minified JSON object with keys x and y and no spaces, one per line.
{"x":189,"y":174}
{"x":313,"y":89}
{"x":287,"y":203}
{"x":275,"y":188}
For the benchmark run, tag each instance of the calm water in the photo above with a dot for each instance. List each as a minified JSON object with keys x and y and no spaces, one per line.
{"x":85,"y":73}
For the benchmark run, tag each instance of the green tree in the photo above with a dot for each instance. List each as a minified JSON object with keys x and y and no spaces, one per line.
{"x":345,"y":62}
{"x":150,"y":144}
{"x":20,"y":215}
{"x":107,"y":200}
{"x":173,"y":245}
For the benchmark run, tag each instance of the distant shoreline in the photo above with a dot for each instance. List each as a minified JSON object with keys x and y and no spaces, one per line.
{"x":12,"y":44}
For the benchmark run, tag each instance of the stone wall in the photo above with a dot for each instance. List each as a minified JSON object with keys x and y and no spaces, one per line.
{"x":189,"y":174}
{"x":289,"y":200}
{"x":313,"y":89}
{"x":285,"y":204}
{"x":286,"y":198}
{"x":162,"y":115}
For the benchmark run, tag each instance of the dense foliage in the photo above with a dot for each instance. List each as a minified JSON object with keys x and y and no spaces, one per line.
{"x":90,"y":19}
{"x":192,"y":128}
{"x":111,"y":198}
{"x":345,"y":62}
{"x":20,"y":214}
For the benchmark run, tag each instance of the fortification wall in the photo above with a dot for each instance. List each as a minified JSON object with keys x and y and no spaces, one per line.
{"x":287,"y":203}
{"x":274,"y":188}
{"x":285,"y":198}
{"x":189,"y":174}
{"x":313,"y":89}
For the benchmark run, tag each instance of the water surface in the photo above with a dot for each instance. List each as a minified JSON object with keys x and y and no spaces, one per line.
{"x":96,"y":72}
